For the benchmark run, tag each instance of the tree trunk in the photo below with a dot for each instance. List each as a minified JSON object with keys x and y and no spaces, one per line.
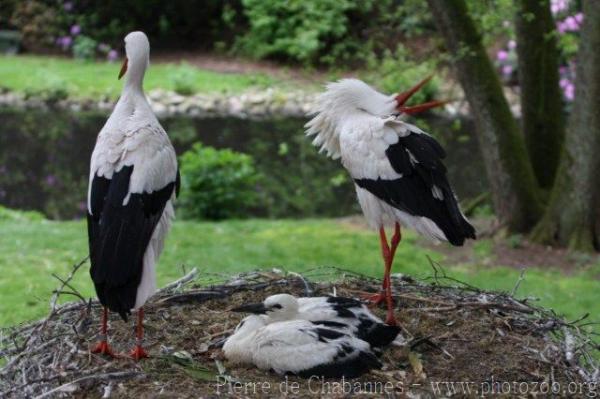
{"x":572,"y":217}
{"x":513,"y":184}
{"x":541,"y":100}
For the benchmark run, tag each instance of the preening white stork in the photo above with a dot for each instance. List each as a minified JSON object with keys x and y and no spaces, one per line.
{"x":346,"y":314}
{"x":396,"y":167}
{"x":133,"y":181}
{"x":299,"y":347}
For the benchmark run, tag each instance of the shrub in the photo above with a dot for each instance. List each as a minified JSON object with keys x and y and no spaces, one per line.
{"x":309,"y":31}
{"x":84,"y":48}
{"x":217,"y":184}
{"x":183,"y":80}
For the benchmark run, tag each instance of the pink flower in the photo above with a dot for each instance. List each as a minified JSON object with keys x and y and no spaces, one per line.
{"x":571,"y":24}
{"x":579,"y":17}
{"x":502,"y":55}
{"x":557,"y":6}
{"x":564,"y":82}
{"x":569,"y":92}
{"x":507,"y":70}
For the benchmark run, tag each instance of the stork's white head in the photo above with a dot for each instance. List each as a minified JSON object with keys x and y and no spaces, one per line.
{"x":276,"y":307}
{"x":137,"y":57}
{"x":351,"y":97}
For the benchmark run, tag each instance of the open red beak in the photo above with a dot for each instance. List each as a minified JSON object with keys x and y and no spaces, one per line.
{"x":123,"y":68}
{"x":403,"y":97}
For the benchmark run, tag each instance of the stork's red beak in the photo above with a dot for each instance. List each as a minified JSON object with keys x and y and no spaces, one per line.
{"x":123,"y":68}
{"x":403,"y":97}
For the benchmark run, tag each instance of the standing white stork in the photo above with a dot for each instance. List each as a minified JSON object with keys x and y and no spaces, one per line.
{"x":133,"y":181}
{"x":396,"y":167}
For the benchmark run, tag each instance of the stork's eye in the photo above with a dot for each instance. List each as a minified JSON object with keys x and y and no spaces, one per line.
{"x":276,"y":306}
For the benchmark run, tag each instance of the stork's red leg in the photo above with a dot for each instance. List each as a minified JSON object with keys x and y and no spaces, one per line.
{"x":102,"y":347}
{"x":380,"y":297}
{"x":138,"y":352}
{"x":396,"y":238}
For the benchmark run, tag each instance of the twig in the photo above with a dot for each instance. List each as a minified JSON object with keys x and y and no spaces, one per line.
{"x":105,"y":376}
{"x":518,"y":283}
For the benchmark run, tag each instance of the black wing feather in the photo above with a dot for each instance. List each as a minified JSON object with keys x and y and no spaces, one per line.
{"x":418,"y":158}
{"x":119,"y":235}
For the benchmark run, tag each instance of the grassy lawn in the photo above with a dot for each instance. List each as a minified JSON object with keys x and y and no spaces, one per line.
{"x":32,"y":250}
{"x":35,"y":74}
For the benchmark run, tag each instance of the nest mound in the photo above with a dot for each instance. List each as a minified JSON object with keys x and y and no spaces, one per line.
{"x":460,"y":341}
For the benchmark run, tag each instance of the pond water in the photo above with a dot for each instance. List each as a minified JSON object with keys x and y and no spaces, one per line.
{"x":44,"y":161}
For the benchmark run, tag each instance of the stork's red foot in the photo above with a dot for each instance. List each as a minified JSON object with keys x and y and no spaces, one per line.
{"x":390,"y":320}
{"x":103,"y":348}
{"x":138,"y":353}
{"x":374,"y":299}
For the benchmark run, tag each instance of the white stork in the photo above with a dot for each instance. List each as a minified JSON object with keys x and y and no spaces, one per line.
{"x":396,"y":167}
{"x":133,"y":181}
{"x":329,"y":311}
{"x":299,"y":347}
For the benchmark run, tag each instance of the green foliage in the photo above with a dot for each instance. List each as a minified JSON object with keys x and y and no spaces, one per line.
{"x":309,"y":31}
{"x":183,"y":79}
{"x":14,"y":215}
{"x":84,"y":48}
{"x":396,"y":72}
{"x":217,"y":184}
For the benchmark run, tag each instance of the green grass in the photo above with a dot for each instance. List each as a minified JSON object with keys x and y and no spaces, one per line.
{"x":37,"y":74}
{"x":32,"y":250}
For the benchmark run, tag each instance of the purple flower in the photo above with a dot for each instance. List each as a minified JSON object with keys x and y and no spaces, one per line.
{"x":512,"y":44}
{"x":561,"y":27}
{"x":65,"y":42}
{"x":564,"y":82}
{"x":579,"y":18}
{"x":507,"y":70}
{"x":502,"y":55}
{"x":75,"y":30}
{"x":51,"y":180}
{"x":112,"y":55}
{"x":103,"y":47}
{"x":68,"y":6}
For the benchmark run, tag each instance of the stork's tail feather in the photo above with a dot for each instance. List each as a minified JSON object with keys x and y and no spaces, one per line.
{"x":348,"y":368}
{"x":380,"y":335}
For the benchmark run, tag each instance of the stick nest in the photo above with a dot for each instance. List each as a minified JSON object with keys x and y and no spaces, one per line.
{"x":454,"y":333}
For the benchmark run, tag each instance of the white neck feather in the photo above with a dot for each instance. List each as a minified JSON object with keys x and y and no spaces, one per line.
{"x":340,"y":101}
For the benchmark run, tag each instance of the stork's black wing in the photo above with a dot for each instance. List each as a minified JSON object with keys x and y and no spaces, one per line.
{"x":119,"y":235}
{"x":418,"y":158}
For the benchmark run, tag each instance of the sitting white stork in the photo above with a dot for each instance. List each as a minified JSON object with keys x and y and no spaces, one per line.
{"x":133,"y":181}
{"x":396,"y":167}
{"x":329,"y":311}
{"x":299,"y":347}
